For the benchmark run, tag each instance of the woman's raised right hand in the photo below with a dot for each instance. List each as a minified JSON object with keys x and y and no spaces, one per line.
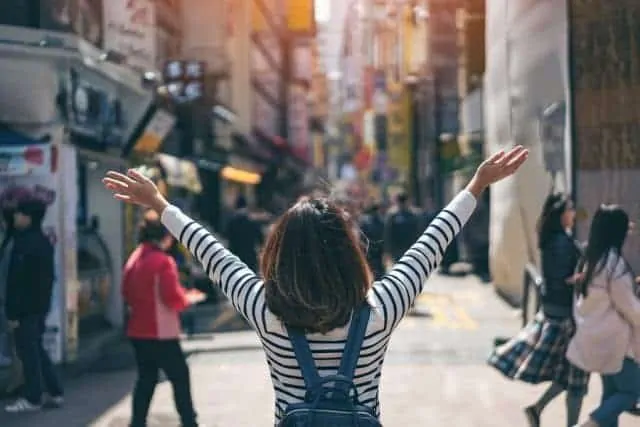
{"x":497,"y":167}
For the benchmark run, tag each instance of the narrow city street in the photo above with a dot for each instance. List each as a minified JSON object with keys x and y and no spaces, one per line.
{"x":434,"y":375}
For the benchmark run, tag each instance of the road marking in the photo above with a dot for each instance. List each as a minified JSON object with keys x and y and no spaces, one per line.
{"x":446,"y":313}
{"x":465,"y":319}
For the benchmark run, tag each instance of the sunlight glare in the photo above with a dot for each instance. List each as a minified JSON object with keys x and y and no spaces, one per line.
{"x":323,"y":10}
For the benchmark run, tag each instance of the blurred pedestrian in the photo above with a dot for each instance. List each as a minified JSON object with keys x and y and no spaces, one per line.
{"x":476,"y":239}
{"x":402,"y":228}
{"x":6,"y":344}
{"x":155,"y":298}
{"x":314,"y":302}
{"x":538,"y":353}
{"x":607,"y":311}
{"x":372,"y":228}
{"x":29,"y":280}
{"x":244,"y":234}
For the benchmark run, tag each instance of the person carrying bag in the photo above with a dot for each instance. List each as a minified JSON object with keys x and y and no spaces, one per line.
{"x":331,"y":400}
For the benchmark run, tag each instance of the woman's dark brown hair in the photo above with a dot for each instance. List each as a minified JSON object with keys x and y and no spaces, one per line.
{"x":314,"y":269}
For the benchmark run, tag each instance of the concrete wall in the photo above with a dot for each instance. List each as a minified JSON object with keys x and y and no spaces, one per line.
{"x":526,"y":72}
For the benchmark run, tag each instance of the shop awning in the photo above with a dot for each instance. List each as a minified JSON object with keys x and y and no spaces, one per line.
{"x":181,"y":173}
{"x":10,"y":137}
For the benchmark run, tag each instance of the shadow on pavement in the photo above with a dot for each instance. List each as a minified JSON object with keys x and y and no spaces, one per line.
{"x":87,"y":399}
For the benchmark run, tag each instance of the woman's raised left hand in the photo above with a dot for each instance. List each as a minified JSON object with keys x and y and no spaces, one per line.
{"x":135,"y":188}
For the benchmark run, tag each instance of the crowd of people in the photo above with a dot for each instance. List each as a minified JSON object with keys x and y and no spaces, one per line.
{"x":589,"y":321}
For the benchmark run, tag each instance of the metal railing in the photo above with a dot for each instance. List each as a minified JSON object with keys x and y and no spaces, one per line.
{"x":532,"y":288}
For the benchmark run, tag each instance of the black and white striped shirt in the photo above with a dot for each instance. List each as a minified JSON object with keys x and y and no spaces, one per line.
{"x":390,"y":298}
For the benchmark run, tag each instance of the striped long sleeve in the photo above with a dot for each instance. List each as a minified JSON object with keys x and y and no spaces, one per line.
{"x":398,"y":289}
{"x":240,"y":284}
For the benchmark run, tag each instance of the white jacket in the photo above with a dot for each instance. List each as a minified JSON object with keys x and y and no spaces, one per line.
{"x":607,"y":320}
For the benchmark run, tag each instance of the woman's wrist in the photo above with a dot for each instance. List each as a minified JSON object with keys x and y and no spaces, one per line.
{"x":475,"y":187}
{"x":159,"y":204}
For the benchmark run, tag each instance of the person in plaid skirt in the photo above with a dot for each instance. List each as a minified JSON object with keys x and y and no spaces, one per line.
{"x":537,"y":353}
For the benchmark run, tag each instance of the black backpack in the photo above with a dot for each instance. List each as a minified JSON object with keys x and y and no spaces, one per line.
{"x":331,"y":401}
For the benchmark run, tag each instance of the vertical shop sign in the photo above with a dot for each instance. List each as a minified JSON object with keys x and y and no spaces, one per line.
{"x":130,"y":30}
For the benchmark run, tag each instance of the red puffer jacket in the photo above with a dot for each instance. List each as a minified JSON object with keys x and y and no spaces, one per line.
{"x":151,"y":289}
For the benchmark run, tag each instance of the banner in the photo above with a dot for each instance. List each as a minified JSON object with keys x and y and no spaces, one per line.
{"x":155,"y":132}
{"x":130,"y":30}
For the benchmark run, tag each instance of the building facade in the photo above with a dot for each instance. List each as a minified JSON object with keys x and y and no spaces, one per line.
{"x":60,"y":87}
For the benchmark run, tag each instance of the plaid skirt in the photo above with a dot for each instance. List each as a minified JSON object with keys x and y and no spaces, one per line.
{"x":537,"y":354}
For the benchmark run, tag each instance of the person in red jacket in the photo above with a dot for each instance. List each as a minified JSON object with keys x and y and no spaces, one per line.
{"x":155,"y":298}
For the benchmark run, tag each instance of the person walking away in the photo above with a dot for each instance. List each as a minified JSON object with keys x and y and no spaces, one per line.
{"x":244,"y":234}
{"x":155,"y":298}
{"x":314,"y":280}
{"x":538,"y":353}
{"x":30,"y":278}
{"x":6,"y":344}
{"x":372,"y":227}
{"x":476,"y":239}
{"x":401,"y":228}
{"x":607,"y":312}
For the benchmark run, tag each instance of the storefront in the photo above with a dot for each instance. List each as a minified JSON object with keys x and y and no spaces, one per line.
{"x":60,"y":89}
{"x":29,"y":168}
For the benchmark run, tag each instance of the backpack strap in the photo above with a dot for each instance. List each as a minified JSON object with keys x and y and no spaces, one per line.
{"x":357,"y":331}
{"x":304,"y":357}
{"x":349,"y":361}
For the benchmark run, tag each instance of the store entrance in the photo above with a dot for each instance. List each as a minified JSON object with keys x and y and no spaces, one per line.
{"x":96,"y":281}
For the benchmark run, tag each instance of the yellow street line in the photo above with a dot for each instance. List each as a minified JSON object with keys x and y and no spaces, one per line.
{"x":446,"y":312}
{"x":464,"y":319}
{"x":438,"y":316}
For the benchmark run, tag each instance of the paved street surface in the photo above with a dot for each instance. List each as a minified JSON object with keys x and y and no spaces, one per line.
{"x":435,"y":375}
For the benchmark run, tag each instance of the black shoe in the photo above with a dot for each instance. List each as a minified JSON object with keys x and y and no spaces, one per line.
{"x":532,"y":416}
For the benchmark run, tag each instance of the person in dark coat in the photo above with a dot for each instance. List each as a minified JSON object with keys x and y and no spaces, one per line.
{"x":372,"y":227}
{"x":30,"y":278}
{"x":401,"y":229}
{"x":5,"y":250}
{"x":244,"y":234}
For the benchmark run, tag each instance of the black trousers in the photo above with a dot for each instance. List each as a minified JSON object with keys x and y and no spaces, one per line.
{"x":39,"y":373}
{"x":151,"y":357}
